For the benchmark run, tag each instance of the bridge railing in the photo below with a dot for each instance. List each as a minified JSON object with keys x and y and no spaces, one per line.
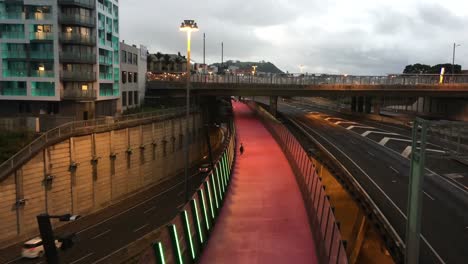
{"x":322,"y":79}
{"x":81,"y":127}
{"x":324,"y":226}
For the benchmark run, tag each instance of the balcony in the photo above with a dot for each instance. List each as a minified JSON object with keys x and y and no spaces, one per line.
{"x":105,"y":76}
{"x":11,"y":35}
{"x":14,"y":54}
{"x":11,"y":15}
{"x":7,"y":91}
{"x":39,"y":16}
{"x":42,"y":55}
{"x":81,"y":3}
{"x":25,"y":73}
{"x":75,"y":57}
{"x":78,"y":76}
{"x":74,"y":38}
{"x":105,"y":60}
{"x":75,"y":19}
{"x":77,"y":94}
{"x":41,"y":36}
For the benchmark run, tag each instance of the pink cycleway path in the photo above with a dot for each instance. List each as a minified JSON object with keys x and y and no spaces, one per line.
{"x":263,"y":219}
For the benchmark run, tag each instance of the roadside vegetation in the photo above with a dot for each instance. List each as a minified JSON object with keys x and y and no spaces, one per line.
{"x":13,"y":141}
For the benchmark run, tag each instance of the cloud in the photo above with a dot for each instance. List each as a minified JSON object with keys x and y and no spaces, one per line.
{"x":339,"y":36}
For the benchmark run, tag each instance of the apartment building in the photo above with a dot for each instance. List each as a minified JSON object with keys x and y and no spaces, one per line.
{"x":133,"y":66}
{"x":59,"y":57}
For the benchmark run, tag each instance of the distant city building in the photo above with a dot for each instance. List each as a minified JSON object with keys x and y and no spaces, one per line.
{"x":59,"y":57}
{"x":133,"y":67}
{"x":167,"y":63}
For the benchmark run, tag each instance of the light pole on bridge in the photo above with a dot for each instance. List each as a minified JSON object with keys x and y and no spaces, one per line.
{"x":188,"y":26}
{"x":455,"y":45}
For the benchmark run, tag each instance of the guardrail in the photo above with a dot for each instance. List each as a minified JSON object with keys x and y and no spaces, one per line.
{"x":321,"y":216}
{"x":183,"y":238}
{"x":320,"y":79}
{"x":83,"y":127}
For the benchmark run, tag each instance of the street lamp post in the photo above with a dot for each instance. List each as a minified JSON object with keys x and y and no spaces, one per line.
{"x":455,"y":45}
{"x":188,"y":26}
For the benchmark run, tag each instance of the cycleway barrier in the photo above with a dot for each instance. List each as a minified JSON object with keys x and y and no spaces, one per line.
{"x":326,"y":230}
{"x":182,"y":240}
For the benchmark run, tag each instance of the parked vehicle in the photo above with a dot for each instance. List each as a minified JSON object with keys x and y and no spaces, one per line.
{"x":34,"y":248}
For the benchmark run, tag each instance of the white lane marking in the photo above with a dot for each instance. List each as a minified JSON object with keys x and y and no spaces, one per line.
{"x":386,"y":139}
{"x":101,"y":234}
{"x":370,"y":153}
{"x":345,"y":122}
{"x":80,"y":259}
{"x":395,"y":170}
{"x":351,"y":127}
{"x":408,"y":150}
{"x":378,"y":187}
{"x":430,"y":197}
{"x":328,"y":118}
{"x":135,"y":206}
{"x":365,"y":134}
{"x":149,"y":210}
{"x":140,"y":228}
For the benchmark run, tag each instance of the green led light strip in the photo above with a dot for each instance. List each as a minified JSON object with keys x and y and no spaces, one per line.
{"x":188,"y":233}
{"x":213,"y":184}
{"x":159,"y":252}
{"x":203,"y":205}
{"x":175,"y":243}
{"x":197,"y":219}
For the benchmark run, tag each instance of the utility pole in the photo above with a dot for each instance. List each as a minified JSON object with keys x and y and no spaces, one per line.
{"x":222,"y":53}
{"x":455,"y":45}
{"x":204,"y":49}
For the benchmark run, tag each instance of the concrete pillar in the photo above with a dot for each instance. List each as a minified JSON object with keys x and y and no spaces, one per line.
{"x":367,"y":104}
{"x":427,"y":104}
{"x":273,"y":105}
{"x":360,"y":104}
{"x":358,"y":235}
{"x":354,"y":104}
{"x":377,"y":105}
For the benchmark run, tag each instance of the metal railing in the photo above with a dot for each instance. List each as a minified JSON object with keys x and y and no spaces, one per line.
{"x":84,"y":3}
{"x":83,"y":127}
{"x":78,"y":76}
{"x":77,"y":19}
{"x":323,"y":79}
{"x":78,"y":57}
{"x":78,"y":94}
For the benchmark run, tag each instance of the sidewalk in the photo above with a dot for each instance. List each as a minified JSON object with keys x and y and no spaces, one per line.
{"x":263,"y":219}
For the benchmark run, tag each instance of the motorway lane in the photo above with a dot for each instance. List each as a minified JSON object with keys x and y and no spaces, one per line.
{"x":390,"y":171}
{"x":452,"y":170}
{"x":102,"y":239}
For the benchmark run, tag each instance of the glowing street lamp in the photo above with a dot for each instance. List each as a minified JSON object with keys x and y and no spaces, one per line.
{"x":188,"y":26}
{"x":254,"y":69}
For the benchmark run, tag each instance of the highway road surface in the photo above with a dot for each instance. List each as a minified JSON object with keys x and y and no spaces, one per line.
{"x":99,"y":240}
{"x":377,"y":155}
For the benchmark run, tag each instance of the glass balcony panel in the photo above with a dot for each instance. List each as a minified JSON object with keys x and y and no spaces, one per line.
{"x":79,"y":94}
{"x":82,"y":3}
{"x":41,"y":36}
{"x":78,"y":57}
{"x":105,"y":60}
{"x":12,"y":35}
{"x":14,"y":54}
{"x":76,"y":38}
{"x":39,"y":16}
{"x":78,"y":76}
{"x":42,"y":55}
{"x":77,"y":19}
{"x":42,"y":74}
{"x":15,"y":73}
{"x":43,"y":89}
{"x":105,"y":76}
{"x":6,"y":91}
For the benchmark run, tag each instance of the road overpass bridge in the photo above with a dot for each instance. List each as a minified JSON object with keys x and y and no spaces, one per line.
{"x":425,"y":93}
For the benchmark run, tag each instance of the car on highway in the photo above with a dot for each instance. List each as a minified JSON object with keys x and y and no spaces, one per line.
{"x":34,"y":248}
{"x":205,"y":167}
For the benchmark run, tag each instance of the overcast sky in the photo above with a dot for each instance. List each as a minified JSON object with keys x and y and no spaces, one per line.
{"x":326,"y":36}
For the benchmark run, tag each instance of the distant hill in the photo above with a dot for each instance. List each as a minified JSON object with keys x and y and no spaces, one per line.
{"x":262,"y":66}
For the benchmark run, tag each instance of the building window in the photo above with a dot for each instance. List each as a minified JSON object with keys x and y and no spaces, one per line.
{"x":124,"y":77}
{"x":124,"y":98}
{"x":130,"y":77}
{"x":124,"y":56}
{"x":130,"y":98}
{"x":135,"y":77}
{"x":129,"y":58}
{"x":136,"y":99}
{"x":135,"y":59}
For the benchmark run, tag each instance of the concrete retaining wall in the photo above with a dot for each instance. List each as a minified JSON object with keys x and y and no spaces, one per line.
{"x":88,"y":173}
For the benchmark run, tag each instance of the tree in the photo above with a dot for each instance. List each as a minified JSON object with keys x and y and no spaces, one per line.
{"x":167,"y":60}
{"x":448,"y":68}
{"x":417,"y":69}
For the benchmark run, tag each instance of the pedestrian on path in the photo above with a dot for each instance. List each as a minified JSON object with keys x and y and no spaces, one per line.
{"x":241,"y":149}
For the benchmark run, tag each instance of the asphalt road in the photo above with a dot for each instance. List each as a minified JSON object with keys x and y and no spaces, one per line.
{"x":101,"y":239}
{"x":383,"y":172}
